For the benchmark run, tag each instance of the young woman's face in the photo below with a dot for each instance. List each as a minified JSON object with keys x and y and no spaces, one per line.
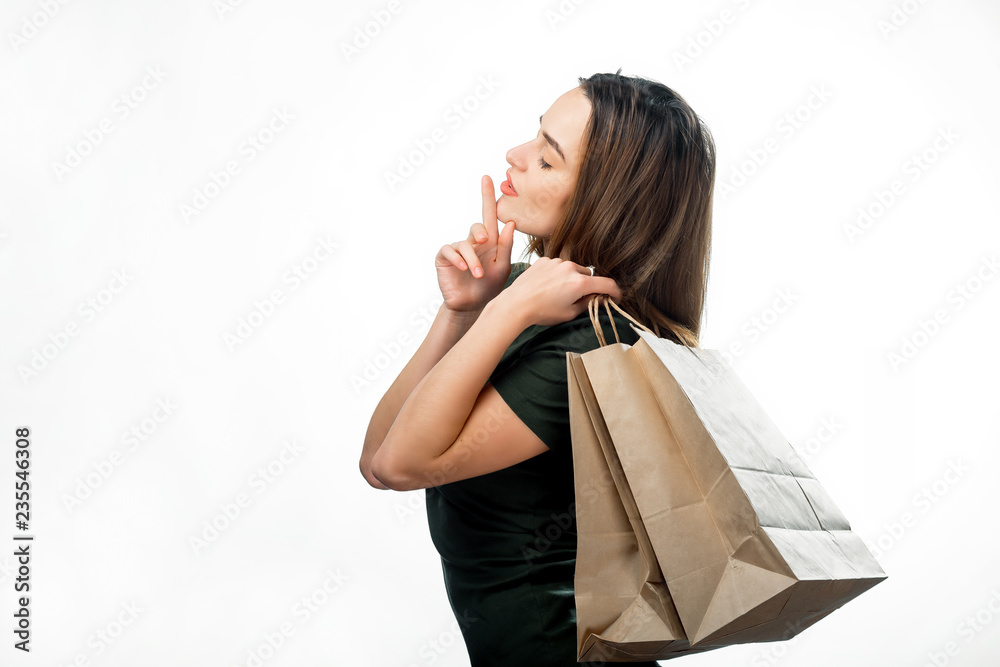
{"x":543,"y":171}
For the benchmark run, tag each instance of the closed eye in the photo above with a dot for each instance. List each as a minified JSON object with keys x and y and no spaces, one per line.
{"x":543,"y":164}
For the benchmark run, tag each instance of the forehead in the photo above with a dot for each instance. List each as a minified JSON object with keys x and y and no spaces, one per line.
{"x":566,"y":120}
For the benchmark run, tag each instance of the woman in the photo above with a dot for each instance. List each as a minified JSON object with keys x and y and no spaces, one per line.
{"x":618,"y":178}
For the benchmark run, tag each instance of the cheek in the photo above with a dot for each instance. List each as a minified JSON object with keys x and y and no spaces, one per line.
{"x":554,"y":194}
{"x":557,"y":195}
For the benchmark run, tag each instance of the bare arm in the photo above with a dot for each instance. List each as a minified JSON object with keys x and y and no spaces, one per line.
{"x":436,"y":412}
{"x":454,"y":425}
{"x":448,"y":328}
{"x":488,"y":252}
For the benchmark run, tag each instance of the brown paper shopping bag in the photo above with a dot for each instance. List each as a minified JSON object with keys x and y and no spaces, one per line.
{"x":698,"y":524}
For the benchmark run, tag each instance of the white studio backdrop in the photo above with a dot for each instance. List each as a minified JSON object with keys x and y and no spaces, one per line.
{"x":218,"y":221}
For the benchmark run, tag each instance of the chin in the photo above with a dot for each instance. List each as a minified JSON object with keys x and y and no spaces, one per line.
{"x":502,"y":214}
{"x":516,"y":222}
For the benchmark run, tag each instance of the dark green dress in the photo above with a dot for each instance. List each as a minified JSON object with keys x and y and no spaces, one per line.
{"x":507,"y":539}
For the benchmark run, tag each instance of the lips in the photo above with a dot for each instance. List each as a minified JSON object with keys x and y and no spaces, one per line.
{"x":508,"y":185}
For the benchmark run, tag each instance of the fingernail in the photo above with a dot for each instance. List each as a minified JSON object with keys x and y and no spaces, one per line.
{"x":478,"y":271}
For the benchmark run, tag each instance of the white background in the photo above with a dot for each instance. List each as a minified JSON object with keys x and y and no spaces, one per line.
{"x":877,"y":434}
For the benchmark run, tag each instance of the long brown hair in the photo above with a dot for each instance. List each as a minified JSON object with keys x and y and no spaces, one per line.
{"x":641,"y":212}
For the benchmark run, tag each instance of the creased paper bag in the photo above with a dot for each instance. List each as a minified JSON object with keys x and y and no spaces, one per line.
{"x":699,"y":526}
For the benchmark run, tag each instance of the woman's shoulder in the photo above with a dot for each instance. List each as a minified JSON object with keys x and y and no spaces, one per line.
{"x":580,"y":334}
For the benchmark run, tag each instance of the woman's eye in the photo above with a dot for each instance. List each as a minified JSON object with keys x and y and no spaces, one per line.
{"x":543,"y":164}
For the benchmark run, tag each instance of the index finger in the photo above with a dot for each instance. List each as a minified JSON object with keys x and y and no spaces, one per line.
{"x":489,"y":208}
{"x":604,"y":285}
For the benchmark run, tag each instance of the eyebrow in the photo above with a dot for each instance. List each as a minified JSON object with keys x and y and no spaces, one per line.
{"x":552,"y":142}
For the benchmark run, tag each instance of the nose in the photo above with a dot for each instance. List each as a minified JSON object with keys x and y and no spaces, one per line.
{"x":515,"y":157}
{"x":510,"y":157}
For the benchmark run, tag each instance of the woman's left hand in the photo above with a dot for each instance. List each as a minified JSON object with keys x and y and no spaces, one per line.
{"x":553,"y":290}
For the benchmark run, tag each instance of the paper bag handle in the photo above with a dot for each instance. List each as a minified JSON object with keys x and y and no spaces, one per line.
{"x":594,"y":309}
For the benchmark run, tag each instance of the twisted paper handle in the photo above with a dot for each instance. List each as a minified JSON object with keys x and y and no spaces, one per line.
{"x":594,"y":309}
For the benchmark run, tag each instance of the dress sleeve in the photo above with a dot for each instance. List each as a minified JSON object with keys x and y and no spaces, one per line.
{"x":536,"y":390}
{"x":534,"y":386}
